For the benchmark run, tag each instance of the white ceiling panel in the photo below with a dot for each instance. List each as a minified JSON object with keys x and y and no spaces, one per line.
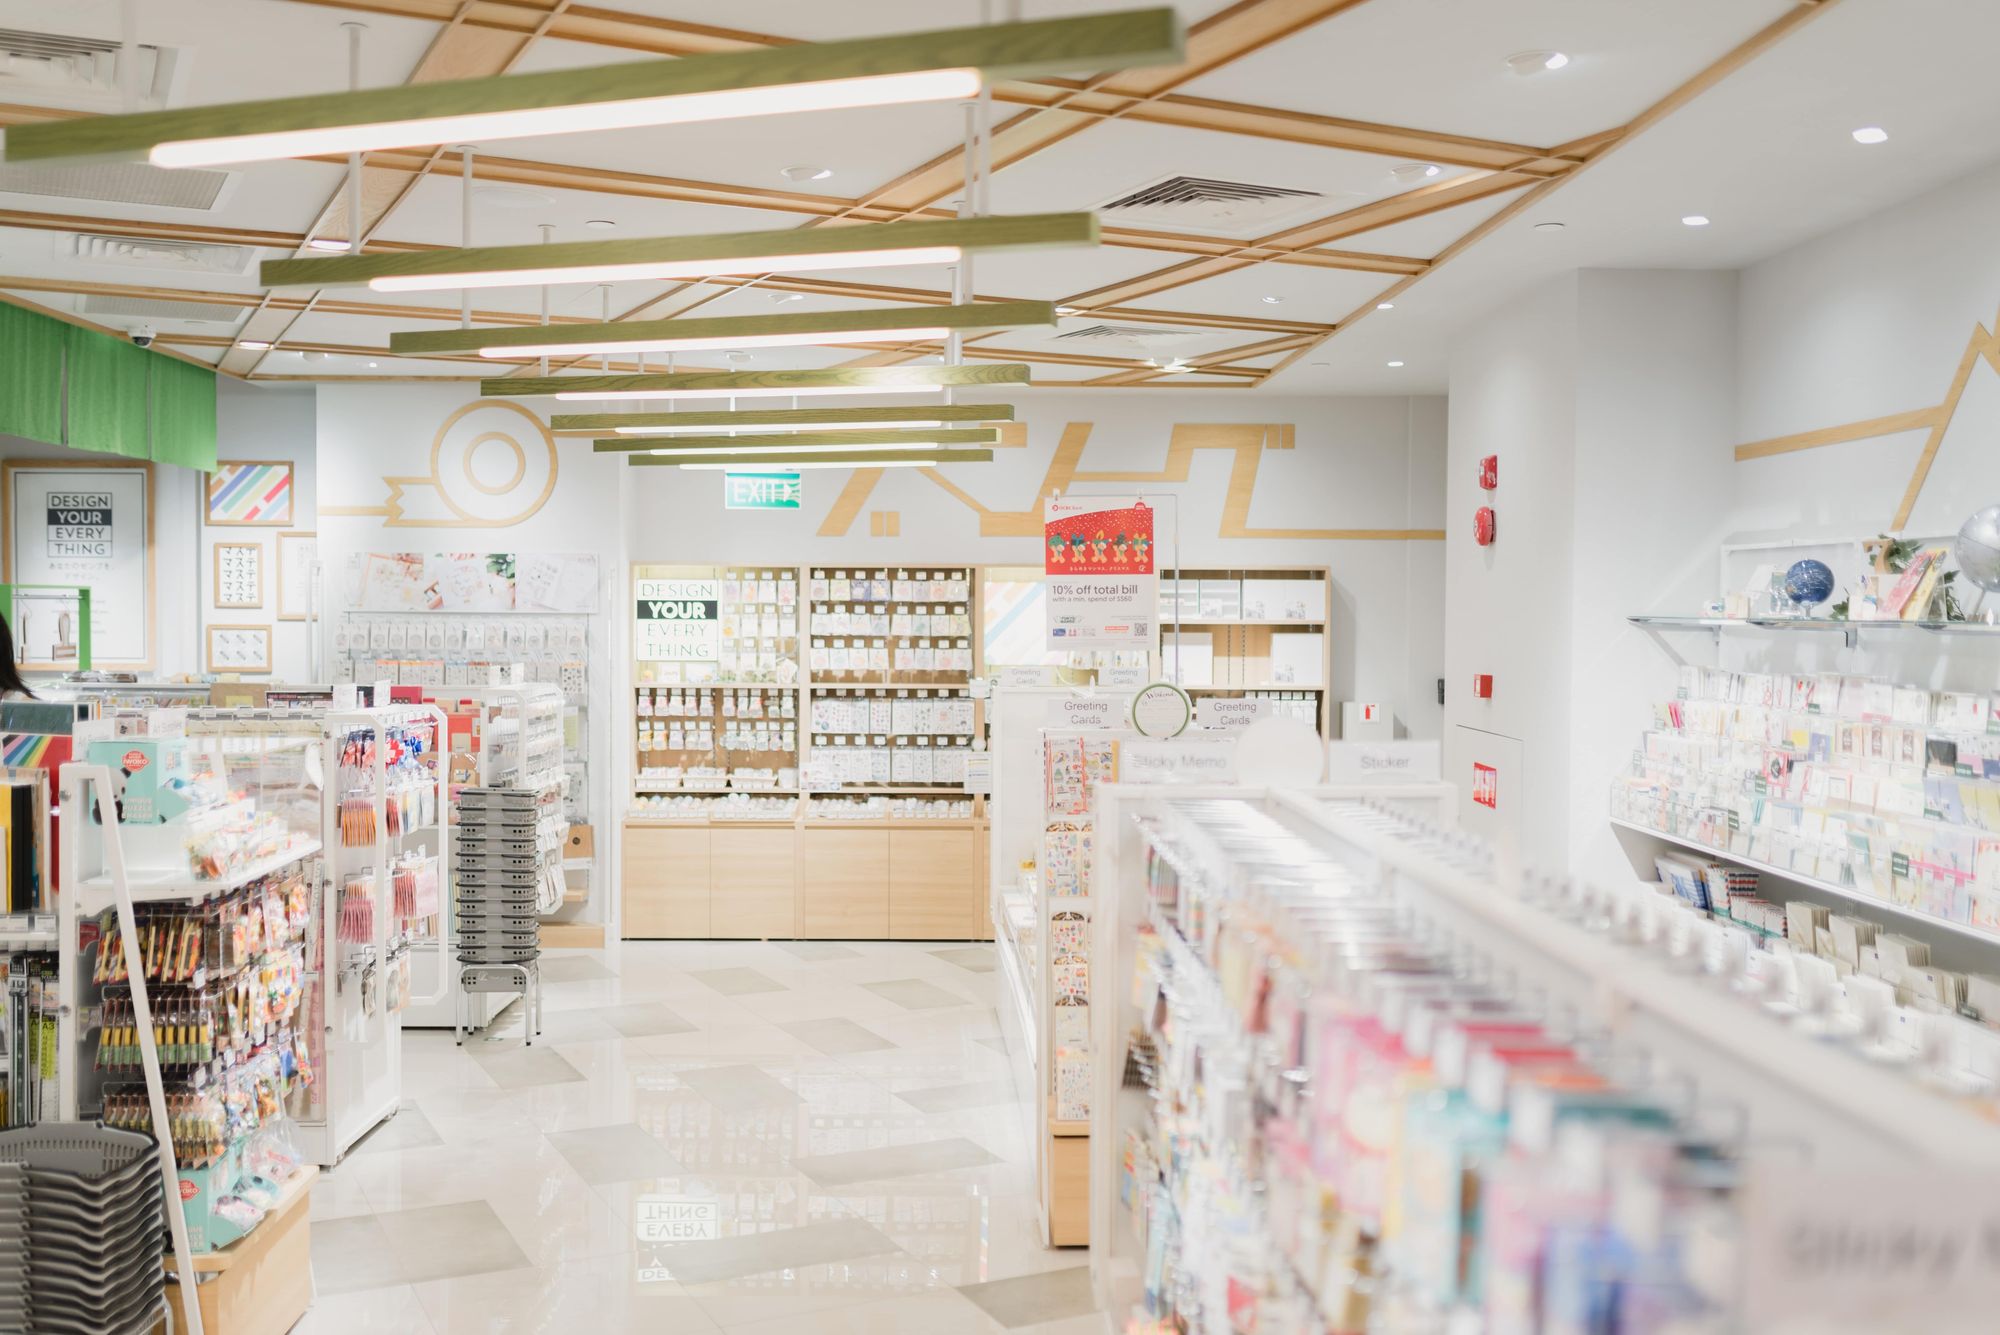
{"x":1442,"y":64}
{"x":1321,"y":296}
{"x":511,"y":215}
{"x":1421,"y":238}
{"x":1115,"y":158}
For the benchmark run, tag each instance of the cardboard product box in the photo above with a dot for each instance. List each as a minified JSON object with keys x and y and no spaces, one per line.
{"x":1220,"y":599}
{"x":581,"y":843}
{"x":150,"y":774}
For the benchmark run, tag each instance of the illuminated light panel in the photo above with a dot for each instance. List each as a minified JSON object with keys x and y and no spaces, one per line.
{"x":811,"y":463}
{"x":620,"y":273}
{"x":707,"y":384}
{"x":765,"y":451}
{"x":820,"y":442}
{"x":951,"y":64}
{"x":680,"y":334}
{"x":789,"y":426}
{"x":636,"y":395}
{"x":881,"y":90}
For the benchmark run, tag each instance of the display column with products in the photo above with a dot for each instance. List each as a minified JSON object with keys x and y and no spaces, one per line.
{"x":801,"y":748}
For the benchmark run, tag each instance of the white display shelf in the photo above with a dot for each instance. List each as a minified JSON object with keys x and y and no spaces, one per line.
{"x":154,"y":885}
{"x":1851,"y":631}
{"x":1847,"y":892}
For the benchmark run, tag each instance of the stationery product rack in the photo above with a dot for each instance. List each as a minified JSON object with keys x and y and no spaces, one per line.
{"x":224,"y":898}
{"x":766,"y":800}
{"x":1257,"y":633}
{"x":374,"y":796}
{"x":1045,"y":777}
{"x":1502,"y":1057}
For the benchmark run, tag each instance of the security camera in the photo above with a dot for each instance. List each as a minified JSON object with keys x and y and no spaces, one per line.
{"x":143,"y":335}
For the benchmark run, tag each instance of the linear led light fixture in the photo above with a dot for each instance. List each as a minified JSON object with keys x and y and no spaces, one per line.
{"x":843,"y":459}
{"x":781,"y":330}
{"x":869,"y":246}
{"x":945,"y":66}
{"x":781,"y":419}
{"x":804,"y":441}
{"x":756,"y":384}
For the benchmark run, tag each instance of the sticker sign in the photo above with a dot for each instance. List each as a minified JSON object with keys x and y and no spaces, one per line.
{"x":677,"y":621}
{"x":1382,"y":762}
{"x":1486,"y":785}
{"x":762,"y":491}
{"x":1835,"y":1250}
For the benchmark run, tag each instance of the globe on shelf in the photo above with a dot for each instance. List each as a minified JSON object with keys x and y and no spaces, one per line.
{"x":1978,"y":549}
{"x":1809,"y":582}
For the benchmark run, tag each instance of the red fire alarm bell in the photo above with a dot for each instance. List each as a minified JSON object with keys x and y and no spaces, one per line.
{"x":1482,"y":525}
{"x":1482,"y":686}
{"x":1489,"y":472}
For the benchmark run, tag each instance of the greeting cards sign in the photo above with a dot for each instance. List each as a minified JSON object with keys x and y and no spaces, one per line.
{"x":678,"y":621}
{"x":1098,"y":565}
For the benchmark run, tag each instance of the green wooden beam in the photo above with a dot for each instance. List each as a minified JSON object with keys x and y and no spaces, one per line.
{"x":839,"y":459}
{"x":471,"y":110}
{"x":690,"y":256}
{"x":784,"y":417}
{"x":722,"y":331}
{"x":791,"y":440}
{"x":858,"y":379}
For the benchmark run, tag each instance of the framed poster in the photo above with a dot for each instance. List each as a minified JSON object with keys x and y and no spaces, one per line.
{"x":297,"y":552}
{"x":88,"y":523}
{"x":251,"y":492}
{"x":239,"y":648}
{"x":239,"y":574}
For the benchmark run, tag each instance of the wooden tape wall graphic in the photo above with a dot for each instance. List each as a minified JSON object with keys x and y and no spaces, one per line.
{"x":1982,"y":344}
{"x":455,"y":493}
{"x":1246,"y":441}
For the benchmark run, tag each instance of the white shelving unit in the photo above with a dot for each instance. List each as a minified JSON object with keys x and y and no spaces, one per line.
{"x":360,"y":1080}
{"x":1748,"y":1076}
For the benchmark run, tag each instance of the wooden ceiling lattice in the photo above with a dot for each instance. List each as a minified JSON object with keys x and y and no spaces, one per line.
{"x":488,"y":37}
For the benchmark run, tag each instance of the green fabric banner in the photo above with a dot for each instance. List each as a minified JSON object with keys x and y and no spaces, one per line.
{"x":67,"y":385}
{"x":31,"y":374}
{"x":107,"y":395}
{"x":183,"y":414}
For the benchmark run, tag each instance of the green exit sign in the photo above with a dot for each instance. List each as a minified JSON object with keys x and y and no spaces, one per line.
{"x":761,"y":491}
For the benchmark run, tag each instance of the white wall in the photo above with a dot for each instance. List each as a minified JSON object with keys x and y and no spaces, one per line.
{"x":1507,"y":613}
{"x":1357,"y":463}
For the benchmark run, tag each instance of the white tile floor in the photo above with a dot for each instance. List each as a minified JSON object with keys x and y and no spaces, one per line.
{"x":759,"y":1139}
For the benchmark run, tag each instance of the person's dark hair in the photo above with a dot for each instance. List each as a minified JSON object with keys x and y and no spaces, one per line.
{"x":10,"y":674}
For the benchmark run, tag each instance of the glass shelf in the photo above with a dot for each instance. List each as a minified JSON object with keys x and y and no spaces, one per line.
{"x":1849,"y":630}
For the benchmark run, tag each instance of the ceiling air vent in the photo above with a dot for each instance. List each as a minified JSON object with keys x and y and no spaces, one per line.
{"x":1206,"y":204}
{"x":116,"y":182}
{"x":54,"y":69}
{"x":147,"y":308}
{"x":182,"y":256}
{"x":1126,"y":333}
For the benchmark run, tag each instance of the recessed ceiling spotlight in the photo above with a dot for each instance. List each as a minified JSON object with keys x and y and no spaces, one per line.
{"x":1407,"y":172}
{"x":1272,"y":301}
{"x":373,"y":365}
{"x":312,"y":356}
{"x":601,"y":224}
{"x":512,"y":196}
{"x":806,"y":173}
{"x":1319,"y":363}
{"x":1526,"y":63}
{"x":1695,"y":220}
{"x":326,"y":243}
{"x":1548,"y":226}
{"x":780,"y":298}
{"x":1395,"y":364}
{"x":1176,"y":367}
{"x":1385,"y":305}
{"x":1065,"y":310}
{"x":254,"y":344}
{"x":1871,"y":134}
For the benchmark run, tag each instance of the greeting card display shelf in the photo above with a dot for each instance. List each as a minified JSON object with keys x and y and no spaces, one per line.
{"x":1232,"y":630}
{"x":1873,"y":903}
{"x":1851,"y":631}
